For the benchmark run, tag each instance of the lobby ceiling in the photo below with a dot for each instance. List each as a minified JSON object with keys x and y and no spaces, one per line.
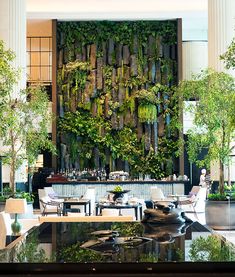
{"x":192,"y":12}
{"x":115,"y":9}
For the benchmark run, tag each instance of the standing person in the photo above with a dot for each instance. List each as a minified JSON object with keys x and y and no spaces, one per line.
{"x":203,"y":178}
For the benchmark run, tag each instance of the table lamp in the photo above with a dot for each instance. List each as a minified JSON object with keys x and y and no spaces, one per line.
{"x":16,"y":206}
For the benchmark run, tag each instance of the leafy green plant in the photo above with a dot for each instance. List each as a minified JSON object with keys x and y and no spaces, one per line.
{"x":8,"y":192}
{"x":23,"y":118}
{"x":214,"y":124}
{"x":217,"y":196}
{"x":75,"y":253}
{"x":128,"y":228}
{"x":114,"y":98}
{"x":147,"y":109}
{"x":148,"y":258}
{"x":28,"y":196}
{"x":229,"y":55}
{"x":229,"y":187}
{"x":31,"y":252}
{"x":122,"y":32}
{"x":212,"y":249}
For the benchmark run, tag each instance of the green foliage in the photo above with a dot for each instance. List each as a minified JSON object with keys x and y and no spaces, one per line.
{"x":214,"y":117}
{"x":87,"y":132}
{"x":229,"y":188}
{"x":8,"y":74}
{"x":122,"y":94}
{"x":217,"y":197}
{"x":211,"y":249}
{"x":148,"y":258}
{"x":151,"y":163}
{"x":147,"y":113}
{"x":8,"y":193}
{"x":229,"y":55}
{"x":128,"y":228}
{"x":107,"y":73}
{"x":23,"y":118}
{"x":77,"y":73}
{"x":121,"y":32}
{"x":96,"y":132}
{"x":118,"y":189}
{"x":28,"y":196}
{"x":31,"y":252}
{"x":76,"y":254}
{"x":146,"y":97}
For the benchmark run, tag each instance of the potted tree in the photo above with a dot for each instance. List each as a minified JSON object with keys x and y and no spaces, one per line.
{"x":214,"y":130}
{"x":24,"y":119}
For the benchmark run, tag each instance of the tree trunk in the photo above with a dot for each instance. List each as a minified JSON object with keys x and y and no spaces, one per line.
{"x":12,"y":175}
{"x":12,"y":163}
{"x":229,"y":177}
{"x":221,"y":177}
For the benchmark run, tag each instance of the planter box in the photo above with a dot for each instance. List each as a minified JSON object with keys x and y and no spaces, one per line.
{"x":220,"y":214}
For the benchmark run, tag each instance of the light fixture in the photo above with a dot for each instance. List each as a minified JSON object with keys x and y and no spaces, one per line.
{"x":16,"y":206}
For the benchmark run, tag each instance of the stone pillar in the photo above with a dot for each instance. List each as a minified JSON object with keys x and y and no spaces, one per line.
{"x":13,"y":33}
{"x":221,"y":30}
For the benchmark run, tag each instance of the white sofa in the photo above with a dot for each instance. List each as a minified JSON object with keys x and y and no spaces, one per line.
{"x":5,"y":226}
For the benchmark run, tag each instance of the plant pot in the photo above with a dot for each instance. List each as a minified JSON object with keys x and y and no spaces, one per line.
{"x":220,"y":214}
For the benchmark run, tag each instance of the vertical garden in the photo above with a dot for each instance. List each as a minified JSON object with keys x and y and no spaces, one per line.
{"x":116,"y":102}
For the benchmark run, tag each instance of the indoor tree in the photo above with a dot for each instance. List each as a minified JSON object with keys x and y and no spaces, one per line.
{"x":23,"y":116}
{"x":214,"y":120}
{"x":229,"y":56}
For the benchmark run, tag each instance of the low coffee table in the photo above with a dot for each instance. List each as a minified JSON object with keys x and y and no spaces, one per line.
{"x":136,"y":207}
{"x":68,"y":203}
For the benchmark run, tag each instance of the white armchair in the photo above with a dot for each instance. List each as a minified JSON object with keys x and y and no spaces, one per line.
{"x":196,"y":203}
{"x":49,"y":205}
{"x":156,"y":194}
{"x":90,"y":194}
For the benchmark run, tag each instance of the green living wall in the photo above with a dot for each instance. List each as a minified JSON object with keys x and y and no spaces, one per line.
{"x":115,"y":95}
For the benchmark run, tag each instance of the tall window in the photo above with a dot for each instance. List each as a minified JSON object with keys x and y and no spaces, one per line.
{"x":39,"y":59}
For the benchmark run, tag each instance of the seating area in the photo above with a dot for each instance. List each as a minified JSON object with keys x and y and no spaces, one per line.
{"x":117,"y":136}
{"x":52,"y":208}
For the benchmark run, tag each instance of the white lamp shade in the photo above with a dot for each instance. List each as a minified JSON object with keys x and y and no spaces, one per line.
{"x":16,"y":206}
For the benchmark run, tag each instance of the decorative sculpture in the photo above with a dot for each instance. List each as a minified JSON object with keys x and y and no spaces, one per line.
{"x":165,"y":214}
{"x":165,"y":223}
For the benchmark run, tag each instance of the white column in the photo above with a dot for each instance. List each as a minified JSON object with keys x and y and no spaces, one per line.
{"x":194,"y":57}
{"x":221,"y":30}
{"x":13,"y":33}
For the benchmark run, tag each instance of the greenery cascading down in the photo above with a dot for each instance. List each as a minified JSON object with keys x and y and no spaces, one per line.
{"x":112,"y":78}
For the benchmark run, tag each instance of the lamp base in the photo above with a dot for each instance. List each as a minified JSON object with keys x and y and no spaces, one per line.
{"x":16,"y":226}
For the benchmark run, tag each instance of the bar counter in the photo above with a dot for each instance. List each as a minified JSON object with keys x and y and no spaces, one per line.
{"x":139,"y":189}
